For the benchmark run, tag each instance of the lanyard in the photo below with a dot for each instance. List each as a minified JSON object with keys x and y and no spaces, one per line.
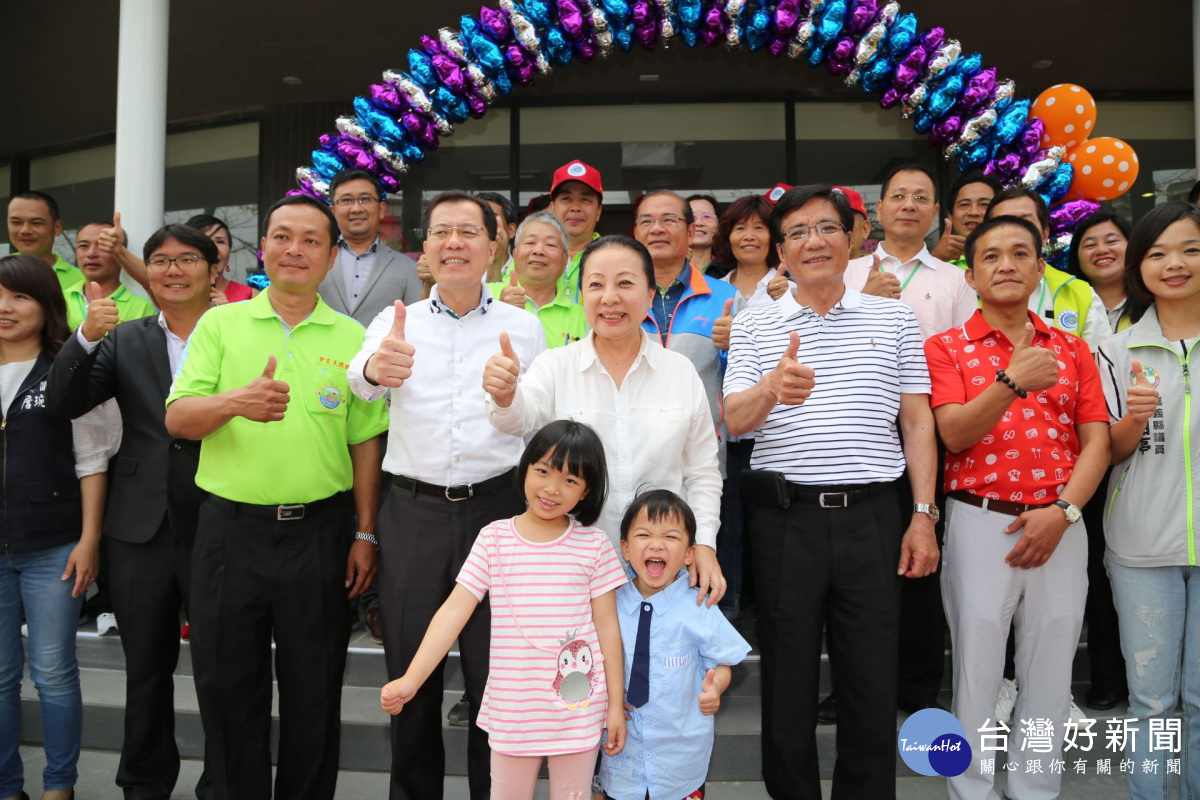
{"x":907,"y":280}
{"x":1041,"y":308}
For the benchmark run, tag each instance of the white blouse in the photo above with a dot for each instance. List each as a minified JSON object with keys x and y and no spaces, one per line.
{"x":657,"y":428}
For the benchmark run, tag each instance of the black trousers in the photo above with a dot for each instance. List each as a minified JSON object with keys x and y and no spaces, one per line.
{"x":423,"y":542}
{"x":149,"y":584}
{"x":255,"y":580}
{"x":1103,"y":637}
{"x":814,"y":565}
{"x":922,"y":622}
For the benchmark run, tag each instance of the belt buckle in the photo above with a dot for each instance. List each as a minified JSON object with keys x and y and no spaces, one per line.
{"x":287,"y":513}
{"x":470,"y":492}
{"x":844,"y":495}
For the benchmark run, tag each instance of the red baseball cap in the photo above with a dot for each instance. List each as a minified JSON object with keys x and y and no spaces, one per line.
{"x":777,"y":192}
{"x":855,"y":200}
{"x":578,"y":171}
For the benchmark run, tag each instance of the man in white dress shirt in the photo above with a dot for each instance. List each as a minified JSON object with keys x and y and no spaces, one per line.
{"x":453,"y":472}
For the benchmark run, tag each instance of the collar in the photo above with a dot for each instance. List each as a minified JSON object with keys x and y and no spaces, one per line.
{"x":261,"y":308}
{"x":925,"y":258}
{"x":977,"y":327}
{"x":344,"y":245}
{"x":436,"y":306}
{"x":650,"y":351}
{"x":1147,"y":330}
{"x":789,"y":307}
{"x":629,"y":599}
{"x":162,"y":323}
{"x":60,"y":263}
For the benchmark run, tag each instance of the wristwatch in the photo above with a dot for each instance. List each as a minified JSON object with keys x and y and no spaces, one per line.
{"x":363,"y":536}
{"x":1073,"y":513}
{"x":928,"y":509}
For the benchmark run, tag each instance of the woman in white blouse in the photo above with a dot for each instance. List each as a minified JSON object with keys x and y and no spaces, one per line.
{"x":646,"y":402}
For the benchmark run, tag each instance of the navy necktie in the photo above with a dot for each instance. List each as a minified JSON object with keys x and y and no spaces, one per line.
{"x":639,"y":677}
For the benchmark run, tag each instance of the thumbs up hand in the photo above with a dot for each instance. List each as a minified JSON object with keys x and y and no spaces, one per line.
{"x":1142,"y":398}
{"x":791,"y":382}
{"x":264,"y":399}
{"x":1032,"y":368}
{"x":778,"y":285}
{"x":101,"y":316}
{"x":513,"y":293}
{"x":501,"y":372}
{"x":392,"y":363}
{"x":710,"y":698}
{"x":722,"y":326}
{"x":951,"y":245}
{"x":880,"y":283}
{"x":111,"y":240}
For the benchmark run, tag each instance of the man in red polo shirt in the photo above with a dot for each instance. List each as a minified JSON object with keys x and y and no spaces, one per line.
{"x":1020,"y":408}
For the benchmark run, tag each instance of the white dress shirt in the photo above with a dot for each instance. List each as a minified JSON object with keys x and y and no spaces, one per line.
{"x":439,"y":429}
{"x":761,"y":296}
{"x":656,"y":428}
{"x":937,"y":292}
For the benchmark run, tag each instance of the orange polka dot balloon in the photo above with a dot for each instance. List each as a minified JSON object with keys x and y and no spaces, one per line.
{"x":1104,"y":168}
{"x":1069,"y":113}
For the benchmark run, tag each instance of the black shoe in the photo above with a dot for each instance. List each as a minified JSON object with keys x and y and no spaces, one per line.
{"x":915,"y":707}
{"x":460,"y":715}
{"x":827,"y":711}
{"x":1102,"y":699}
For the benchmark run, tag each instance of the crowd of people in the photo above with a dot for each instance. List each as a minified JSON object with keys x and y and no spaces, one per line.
{"x":578,"y":457}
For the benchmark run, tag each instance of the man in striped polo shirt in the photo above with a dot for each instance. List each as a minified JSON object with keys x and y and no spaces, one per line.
{"x":826,"y":379}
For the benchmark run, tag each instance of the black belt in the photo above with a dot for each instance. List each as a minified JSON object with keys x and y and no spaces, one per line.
{"x":837,"y":496}
{"x":460,"y":491}
{"x":289,"y":512}
{"x":999,"y":506}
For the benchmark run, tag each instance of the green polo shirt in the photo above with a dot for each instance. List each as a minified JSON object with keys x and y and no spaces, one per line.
{"x":569,"y":282}
{"x":130,"y":306}
{"x":304,"y":457}
{"x":68,"y":275}
{"x":563,"y":319}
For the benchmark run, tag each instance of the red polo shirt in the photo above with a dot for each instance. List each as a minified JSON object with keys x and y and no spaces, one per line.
{"x":1028,"y":456}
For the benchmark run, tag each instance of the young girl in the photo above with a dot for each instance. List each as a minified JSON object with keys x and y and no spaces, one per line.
{"x":556,"y":677}
{"x":1152,"y":494}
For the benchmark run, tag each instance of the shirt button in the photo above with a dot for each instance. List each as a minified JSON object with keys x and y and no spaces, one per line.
{"x":646,"y":607}
{"x":457,"y":459}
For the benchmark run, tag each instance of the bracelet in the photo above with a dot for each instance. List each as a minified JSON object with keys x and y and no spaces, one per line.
{"x":362,"y":536}
{"x":1007,"y":381}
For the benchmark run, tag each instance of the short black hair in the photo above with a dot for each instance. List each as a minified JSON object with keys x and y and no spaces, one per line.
{"x":1194,"y":194}
{"x":184,"y":234}
{"x":618,"y":240}
{"x":800,"y":196}
{"x":688,"y":216}
{"x":51,"y":203}
{"x":1016,"y":193}
{"x":746,"y":207}
{"x":659,"y":504}
{"x":356,"y":174}
{"x":910,"y":166}
{"x":31,"y":276}
{"x":992,"y":223}
{"x":1083,"y":226}
{"x":202,"y":222}
{"x":975,"y":176}
{"x":455,"y":196}
{"x":105,"y":224}
{"x":335,"y":232}
{"x":1145,"y":233}
{"x":575,"y":448}
{"x":708,"y":198}
{"x":507,"y":209}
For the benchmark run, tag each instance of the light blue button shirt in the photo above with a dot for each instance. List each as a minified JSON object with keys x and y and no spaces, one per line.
{"x":668,"y":741}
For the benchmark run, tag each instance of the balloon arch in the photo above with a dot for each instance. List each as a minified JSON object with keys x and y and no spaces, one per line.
{"x":969,"y":113}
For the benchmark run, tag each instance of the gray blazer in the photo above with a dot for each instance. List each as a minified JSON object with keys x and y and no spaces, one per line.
{"x":394,"y":277}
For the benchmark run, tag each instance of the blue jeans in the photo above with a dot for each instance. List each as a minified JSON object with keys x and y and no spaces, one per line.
{"x":33,"y":581}
{"x":1158,"y":611}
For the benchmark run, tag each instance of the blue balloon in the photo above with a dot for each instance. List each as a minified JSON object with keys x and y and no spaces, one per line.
{"x":923,"y":121}
{"x":758,"y":29}
{"x":326,"y":164}
{"x":833,"y":17}
{"x":975,"y":155}
{"x":377,"y":123}
{"x":502,"y":82}
{"x":558,"y":47}
{"x":1055,"y":185}
{"x":624,"y":37}
{"x":943,"y":98}
{"x":1010,"y":123}
{"x":967,"y":66}
{"x":538,"y":12}
{"x":450,"y":105}
{"x":877,"y":74}
{"x":903,"y":34}
{"x":619,"y":13}
{"x":258,"y":280}
{"x":689,"y":12}
{"x":816,"y":52}
{"x":486,"y":51}
{"x":421,"y":67}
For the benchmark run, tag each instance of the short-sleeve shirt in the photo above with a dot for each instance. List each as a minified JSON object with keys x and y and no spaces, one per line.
{"x":866,"y":352}
{"x":303,"y":457}
{"x":562,"y":317}
{"x":130,"y":306}
{"x":668,"y":741}
{"x":546,"y":692}
{"x":69,"y":276}
{"x":1029,"y":455}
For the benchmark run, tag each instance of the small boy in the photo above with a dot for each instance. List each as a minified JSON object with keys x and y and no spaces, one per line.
{"x":677,"y":658}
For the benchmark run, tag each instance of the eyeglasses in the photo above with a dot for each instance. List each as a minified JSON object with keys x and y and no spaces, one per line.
{"x":705,"y":217}
{"x":823,"y":229}
{"x":666,"y":220}
{"x":349,"y":202}
{"x":185,"y":261}
{"x":917,"y":198}
{"x":442,"y":232}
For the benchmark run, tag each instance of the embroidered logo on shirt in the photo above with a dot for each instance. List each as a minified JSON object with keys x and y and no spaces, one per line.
{"x":1068,"y":321}
{"x":330,"y":397}
{"x":573,"y":682}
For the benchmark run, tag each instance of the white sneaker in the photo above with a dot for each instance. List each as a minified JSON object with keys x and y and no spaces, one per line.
{"x":1006,"y":700}
{"x":24,"y":630}
{"x":106,"y":624}
{"x":1077,"y":714}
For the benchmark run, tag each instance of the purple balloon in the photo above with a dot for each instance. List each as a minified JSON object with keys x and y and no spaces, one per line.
{"x":787,"y":14}
{"x":420,"y":128}
{"x":862,"y":15}
{"x":570,"y":17}
{"x":450,"y":73}
{"x":645,"y":25}
{"x":1067,"y":215}
{"x":476,"y":105}
{"x":714,"y":26}
{"x":1029,"y":140}
{"x":386,"y":97}
{"x":841,"y":56}
{"x":945,"y":130}
{"x":1005,"y":168}
{"x":431,"y":46}
{"x":932,"y":39}
{"x":890,"y":98}
{"x":978,"y":89}
{"x":495,"y":23}
{"x":910,"y":68}
{"x":328,"y":141}
{"x":778,"y":46}
{"x":585,"y":49}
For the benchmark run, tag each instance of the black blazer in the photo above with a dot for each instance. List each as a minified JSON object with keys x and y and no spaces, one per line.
{"x":151,"y":470}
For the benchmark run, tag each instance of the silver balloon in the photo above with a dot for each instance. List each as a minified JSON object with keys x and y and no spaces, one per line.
{"x":1038,"y":170}
{"x":947,"y":54}
{"x":1004,"y":91}
{"x":481,"y":82}
{"x":350,"y":127}
{"x":417,"y":97}
{"x":600,"y":28}
{"x":733,"y":34}
{"x":972,"y":130}
{"x":869,"y":44}
{"x":316,"y":181}
{"x":450,"y":41}
{"x":852,"y":77}
{"x":397,"y":163}
{"x":522,"y":28}
{"x":666,"y":28}
{"x":542,"y":63}
{"x":799,"y":42}
{"x":913,"y":100}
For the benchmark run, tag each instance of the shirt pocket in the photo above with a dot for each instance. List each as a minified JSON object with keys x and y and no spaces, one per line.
{"x":327,"y":394}
{"x":678,"y":671}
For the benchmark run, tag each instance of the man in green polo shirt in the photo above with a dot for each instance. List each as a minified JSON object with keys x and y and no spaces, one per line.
{"x":33,"y":224}
{"x":539,"y":259}
{"x":102,"y":274}
{"x":577,"y":199}
{"x":263,"y":386}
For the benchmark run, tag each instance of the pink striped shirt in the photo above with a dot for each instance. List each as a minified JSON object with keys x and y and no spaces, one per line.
{"x":546,"y":693}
